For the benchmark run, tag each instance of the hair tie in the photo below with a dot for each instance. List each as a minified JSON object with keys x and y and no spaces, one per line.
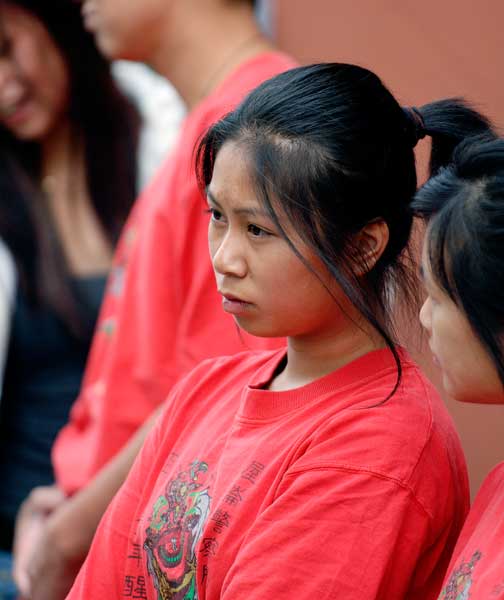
{"x":417,"y":124}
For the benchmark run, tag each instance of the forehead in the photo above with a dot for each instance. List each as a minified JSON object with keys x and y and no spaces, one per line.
{"x":426,"y":274}
{"x":437,"y":277}
{"x":232,"y":172}
{"x":425,"y":267}
{"x":20,"y":25}
{"x":14,"y":16}
{"x":427,"y":245}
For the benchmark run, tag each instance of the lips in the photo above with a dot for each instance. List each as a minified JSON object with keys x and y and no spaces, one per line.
{"x":233,"y":304}
{"x":8,"y":111}
{"x":14,"y":98}
{"x":232,"y":298}
{"x":15,"y":112}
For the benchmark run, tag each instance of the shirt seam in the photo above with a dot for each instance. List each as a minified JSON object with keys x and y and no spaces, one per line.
{"x":366,"y":470}
{"x":428,"y":434}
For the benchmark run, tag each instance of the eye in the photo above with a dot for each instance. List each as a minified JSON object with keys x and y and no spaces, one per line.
{"x":256,"y":231}
{"x":215,"y":214}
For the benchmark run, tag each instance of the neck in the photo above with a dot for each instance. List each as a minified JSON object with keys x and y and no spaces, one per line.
{"x":199,"y":56}
{"x":312,"y":357}
{"x":57,"y":150}
{"x":63,"y":175}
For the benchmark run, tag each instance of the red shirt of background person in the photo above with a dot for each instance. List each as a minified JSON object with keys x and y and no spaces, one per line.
{"x":315,"y":471}
{"x":161,"y":314}
{"x":463,"y":267}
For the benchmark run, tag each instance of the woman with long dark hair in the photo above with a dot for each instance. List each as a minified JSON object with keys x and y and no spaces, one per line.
{"x":68,"y":180}
{"x":463,"y":270}
{"x":329,"y":469}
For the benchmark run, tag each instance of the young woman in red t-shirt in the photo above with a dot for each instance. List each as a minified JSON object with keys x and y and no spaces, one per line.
{"x":329,"y":469}
{"x":463,"y":267}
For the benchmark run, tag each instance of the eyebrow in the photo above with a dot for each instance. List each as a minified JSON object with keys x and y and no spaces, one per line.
{"x":251,"y":211}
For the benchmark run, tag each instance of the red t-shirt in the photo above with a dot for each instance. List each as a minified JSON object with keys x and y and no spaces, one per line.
{"x":323,"y":491}
{"x":476,"y":570}
{"x":161,"y":314}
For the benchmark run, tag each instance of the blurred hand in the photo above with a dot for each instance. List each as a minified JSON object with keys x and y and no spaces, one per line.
{"x":46,"y":560}
{"x":54,"y":533}
{"x":53,"y":565}
{"x":32,"y":515}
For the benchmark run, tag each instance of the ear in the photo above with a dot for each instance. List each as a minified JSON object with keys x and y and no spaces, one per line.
{"x":371,"y":242}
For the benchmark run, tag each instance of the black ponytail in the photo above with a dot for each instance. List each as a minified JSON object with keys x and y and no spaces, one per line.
{"x":449,"y":122}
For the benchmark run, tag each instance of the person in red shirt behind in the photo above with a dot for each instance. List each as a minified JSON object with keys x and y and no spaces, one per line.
{"x":330,"y":469}
{"x":161,"y":314}
{"x":463,"y":269}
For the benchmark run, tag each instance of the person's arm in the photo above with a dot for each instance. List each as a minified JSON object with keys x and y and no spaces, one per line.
{"x":103,"y":572}
{"x":68,"y":527}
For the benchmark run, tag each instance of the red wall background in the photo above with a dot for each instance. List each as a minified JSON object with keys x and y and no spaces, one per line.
{"x":423,"y":51}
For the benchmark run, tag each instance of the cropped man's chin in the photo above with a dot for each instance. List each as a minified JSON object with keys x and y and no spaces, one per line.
{"x":109,"y":49}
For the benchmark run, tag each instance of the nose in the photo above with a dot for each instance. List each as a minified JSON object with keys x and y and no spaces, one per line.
{"x":425,"y":314}
{"x":228,"y":254}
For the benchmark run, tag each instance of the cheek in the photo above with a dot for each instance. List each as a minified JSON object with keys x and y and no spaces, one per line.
{"x":56,"y":98}
{"x":301,"y":295}
{"x":49,"y":79}
{"x":446,"y":342}
{"x":28,"y":63}
{"x":60,"y":79}
{"x":213,"y":241}
{"x":468,"y":372}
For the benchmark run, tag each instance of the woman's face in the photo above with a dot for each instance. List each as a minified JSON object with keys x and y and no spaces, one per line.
{"x":264,"y":285}
{"x":468,"y":372}
{"x":34,"y":81}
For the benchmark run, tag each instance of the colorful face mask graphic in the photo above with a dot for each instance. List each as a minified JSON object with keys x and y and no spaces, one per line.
{"x":177,"y":521}
{"x":459,"y":585}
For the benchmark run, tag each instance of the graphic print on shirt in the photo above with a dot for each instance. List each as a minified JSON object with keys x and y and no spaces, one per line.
{"x":118,"y":273}
{"x":178,"y":519}
{"x":116,"y":281}
{"x":460,"y":582}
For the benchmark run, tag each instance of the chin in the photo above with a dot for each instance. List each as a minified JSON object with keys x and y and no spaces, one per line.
{"x":474,"y":386}
{"x":257,"y":329}
{"x":107,"y":47}
{"x":477,"y":396}
{"x":31,"y":133}
{"x":118,"y":49}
